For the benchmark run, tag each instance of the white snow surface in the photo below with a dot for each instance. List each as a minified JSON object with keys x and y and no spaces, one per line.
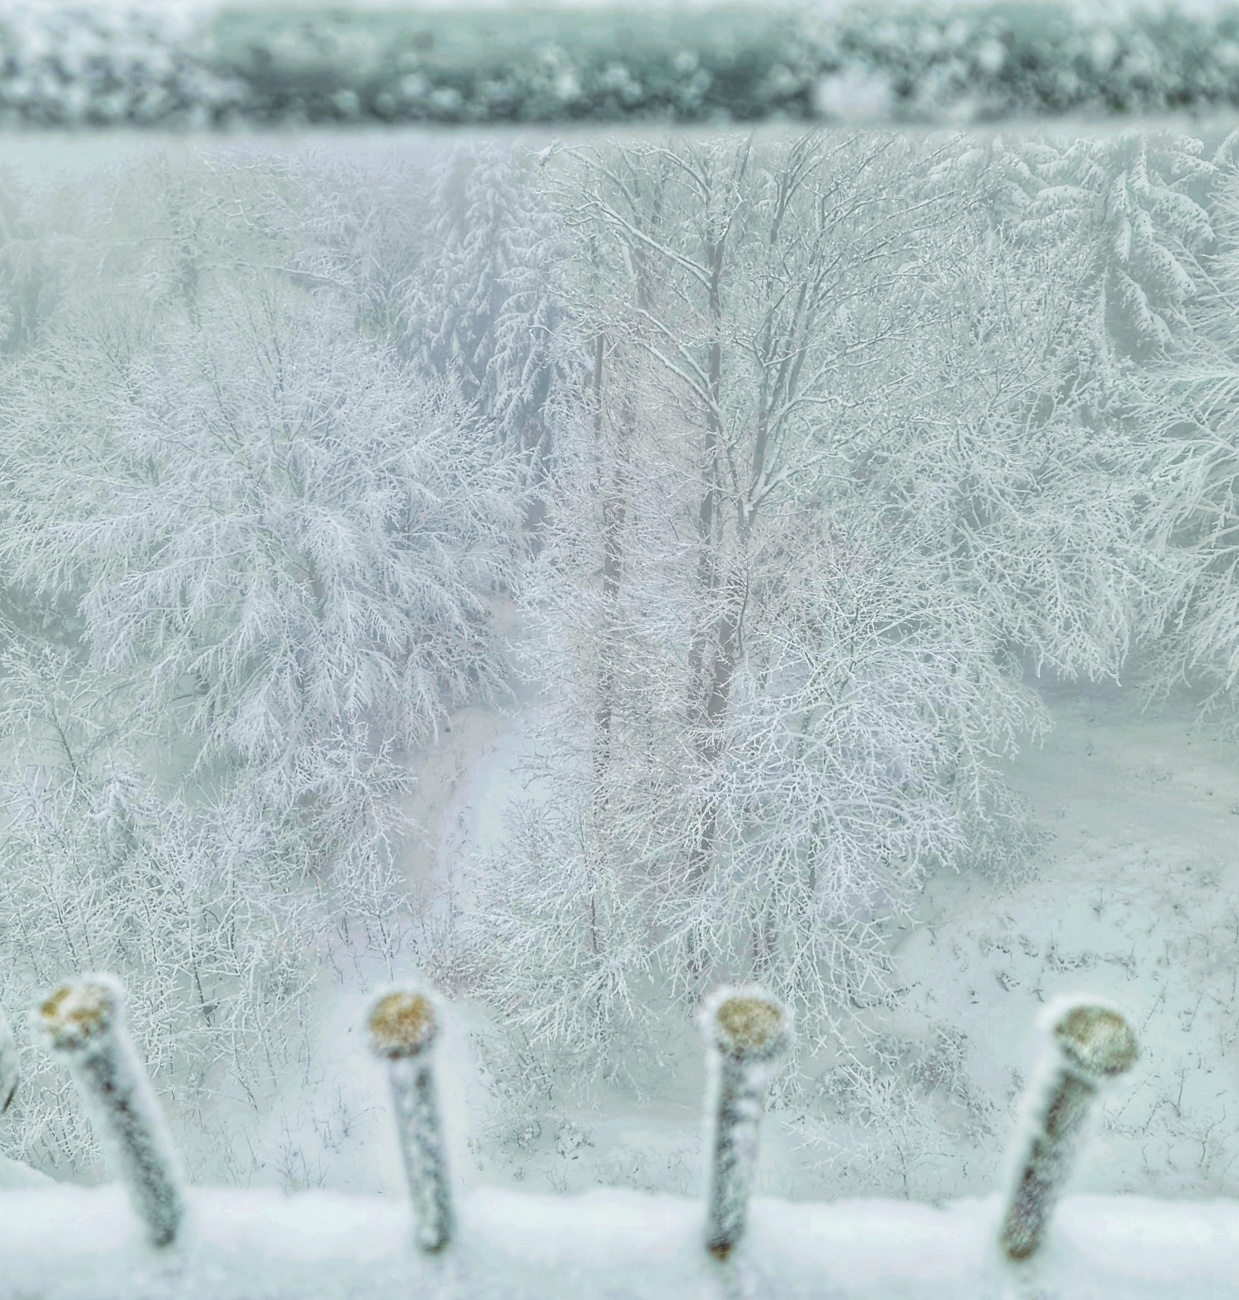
{"x":80,"y":1244}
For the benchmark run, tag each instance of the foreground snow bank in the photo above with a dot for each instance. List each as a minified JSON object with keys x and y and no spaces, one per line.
{"x":84,"y":1243}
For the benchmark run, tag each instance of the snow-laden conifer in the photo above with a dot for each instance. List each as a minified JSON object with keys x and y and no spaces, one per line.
{"x":746,"y":1035}
{"x":1120,"y":214}
{"x":1088,"y":1042}
{"x":360,"y":226}
{"x":82,"y":1022}
{"x":490,"y":309}
{"x":1188,"y":402}
{"x":403,"y":1025}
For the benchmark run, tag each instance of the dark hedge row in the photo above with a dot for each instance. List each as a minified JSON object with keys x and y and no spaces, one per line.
{"x":95,"y":67}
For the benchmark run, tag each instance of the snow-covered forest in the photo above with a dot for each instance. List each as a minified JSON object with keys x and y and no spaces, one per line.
{"x":579,"y":575}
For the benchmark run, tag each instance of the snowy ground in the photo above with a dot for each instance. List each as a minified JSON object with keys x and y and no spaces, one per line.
{"x":1138,"y":899}
{"x":70,"y":1244}
{"x":1135,"y":897}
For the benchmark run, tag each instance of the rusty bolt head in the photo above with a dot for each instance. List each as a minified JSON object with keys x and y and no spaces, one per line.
{"x":402,"y":1023}
{"x":1096,"y":1039}
{"x":746,"y":1024}
{"x":79,"y":1013}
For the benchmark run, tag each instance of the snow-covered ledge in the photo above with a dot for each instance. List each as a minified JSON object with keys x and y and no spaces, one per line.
{"x":153,"y":1236}
{"x":77,"y":1244}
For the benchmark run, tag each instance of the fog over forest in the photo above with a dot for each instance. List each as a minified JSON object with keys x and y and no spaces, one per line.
{"x":580,"y":575}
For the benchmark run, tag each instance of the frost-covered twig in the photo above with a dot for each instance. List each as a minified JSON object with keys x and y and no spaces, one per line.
{"x":83,"y":1023}
{"x":747,"y":1033}
{"x":403,"y":1024}
{"x":1089,"y":1041}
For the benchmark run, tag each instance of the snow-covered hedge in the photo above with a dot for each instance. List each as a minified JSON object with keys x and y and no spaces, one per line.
{"x":191,"y":65}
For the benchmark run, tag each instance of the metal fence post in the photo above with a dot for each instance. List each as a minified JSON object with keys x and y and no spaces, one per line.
{"x":82,"y":1022}
{"x":1089,"y":1042}
{"x":403,"y":1024}
{"x":747,"y":1033}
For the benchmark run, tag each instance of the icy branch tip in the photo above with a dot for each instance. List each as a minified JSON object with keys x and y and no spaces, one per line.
{"x":78,"y":1014}
{"x":402,"y":1023}
{"x":746,"y":1024}
{"x":1095,"y":1038}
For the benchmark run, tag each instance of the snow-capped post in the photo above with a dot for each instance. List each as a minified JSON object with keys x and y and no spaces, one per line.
{"x":746,"y":1034}
{"x":1089,"y":1041}
{"x":403,"y":1025}
{"x":82,"y":1022}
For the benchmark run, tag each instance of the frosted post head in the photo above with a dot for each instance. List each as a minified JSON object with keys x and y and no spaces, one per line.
{"x":1096,"y":1040}
{"x":78,"y":1016}
{"x":1089,"y":1042}
{"x":746,"y":1025}
{"x":403,"y":1024}
{"x":747,"y":1032}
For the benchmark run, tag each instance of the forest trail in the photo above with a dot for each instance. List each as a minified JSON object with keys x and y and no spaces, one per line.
{"x":466,"y":779}
{"x":444,"y":774}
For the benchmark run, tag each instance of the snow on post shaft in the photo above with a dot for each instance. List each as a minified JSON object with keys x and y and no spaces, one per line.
{"x":403,"y":1024}
{"x":747,"y":1033}
{"x":1089,"y":1041}
{"x":10,"y":1069}
{"x":83,"y":1024}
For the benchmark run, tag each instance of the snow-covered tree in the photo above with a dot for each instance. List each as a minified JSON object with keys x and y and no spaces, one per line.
{"x":117,"y":262}
{"x":1189,"y":402}
{"x":737,"y":260}
{"x":456,"y":260}
{"x":747,"y":734}
{"x":1124,"y":210}
{"x":190,"y":905}
{"x":32,"y":225}
{"x":292,"y":542}
{"x":559,"y":941}
{"x":1103,"y":262}
{"x":1004,"y":480}
{"x":489,"y":307}
{"x":358,"y":226}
